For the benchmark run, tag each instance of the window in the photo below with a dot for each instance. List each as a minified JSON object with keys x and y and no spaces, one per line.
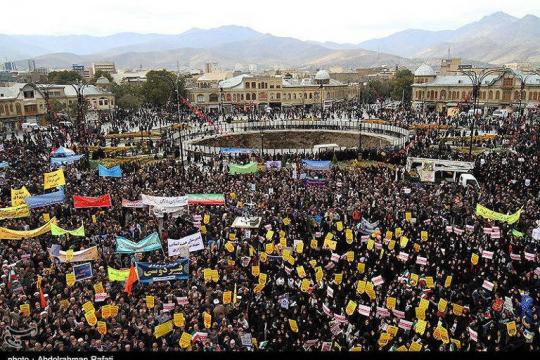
{"x":200,"y":98}
{"x":228,"y":97}
{"x":253,"y":84}
{"x":248,"y":97}
{"x":535,"y":96}
{"x":516,"y":95}
{"x":271,"y":86}
{"x":443,"y":94}
{"x":1,"y":109}
{"x":294,"y":96}
{"x":253,"y":96}
{"x":497,"y":95}
{"x":508,"y":82}
{"x":247,"y":85}
{"x":490,"y":95}
{"x":28,"y":94}
{"x":311,"y":95}
{"x":214,"y":98}
{"x":278,"y":95}
{"x":242,"y":97}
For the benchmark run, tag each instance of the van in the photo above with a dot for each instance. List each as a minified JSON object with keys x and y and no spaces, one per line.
{"x":29,"y":126}
{"x":468,"y":179}
{"x":501,"y":114}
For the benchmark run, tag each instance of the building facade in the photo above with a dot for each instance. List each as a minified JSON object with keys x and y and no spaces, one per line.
{"x":21,"y":102}
{"x":246,"y":91}
{"x":448,"y":93}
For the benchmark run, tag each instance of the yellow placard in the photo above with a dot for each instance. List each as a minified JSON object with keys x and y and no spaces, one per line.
{"x":54,"y":179}
{"x":262,"y":278}
{"x":351,"y":306}
{"x":349,"y":255}
{"x":457,"y":309}
{"x":348,"y":236}
{"x":429,"y":282}
{"x":424,"y":235}
{"x":46,"y":217}
{"x":25,"y":309}
{"x":397,"y":231}
{"x":361,"y":267}
{"x":403,"y":241}
{"x":283,"y":242}
{"x":179,"y":320}
{"x":420,"y":313}
{"x":269,"y":235}
{"x":203,"y":229}
{"x":414,"y":279}
{"x":391,"y":244}
{"x":98,"y":288}
{"x":415,"y":346}
{"x":420,"y":326}
{"x":441,"y":306}
{"x":88,"y":306}
{"x":263,"y":257}
{"x":69,"y":255}
{"x":229,"y":246}
{"x":338,"y":278}
{"x":114,"y":310}
{"x":163,"y":329}
{"x":18,"y":196}
{"x":304,"y":285}
{"x":286,"y":221}
{"x":361,"y":286}
{"x":269,"y":248}
{"x":391,"y":302}
{"x":70,"y":279}
{"x":408,"y":216}
{"x":91,"y":318}
{"x":339,"y":226}
{"x":102,"y":327}
{"x":389,"y":235}
{"x":448,"y":281}
{"x":511,"y":328}
{"x":383,"y":339}
{"x":206,"y":219}
{"x":301,"y":272}
{"x":106,"y":311}
{"x":207,"y":319}
{"x":293,"y":325}
{"x":474,"y":259}
{"x":370,"y":244}
{"x":424,"y":304}
{"x":185,"y":339}
{"x":299,"y":247}
{"x":150,"y":301}
{"x":329,"y":244}
{"x":255,"y":270}
{"x":392,"y":330}
{"x":313,"y":244}
{"x":319,"y":274}
{"x":416,"y":247}
{"x":214,"y":274}
{"x":227,"y":296}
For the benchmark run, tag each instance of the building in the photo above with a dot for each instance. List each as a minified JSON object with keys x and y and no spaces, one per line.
{"x":247,"y":91}
{"x":364,"y":75}
{"x":106,"y":67}
{"x":448,"y":93}
{"x":21,"y":102}
{"x":31,"y":65}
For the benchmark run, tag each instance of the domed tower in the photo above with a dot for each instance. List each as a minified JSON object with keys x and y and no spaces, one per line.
{"x":104,"y":83}
{"x":322,"y":77}
{"x":424,"y":74}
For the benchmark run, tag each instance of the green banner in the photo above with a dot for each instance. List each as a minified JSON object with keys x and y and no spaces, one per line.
{"x":493,"y":215}
{"x":117,"y":275}
{"x":250,"y":168}
{"x":58,"y":231}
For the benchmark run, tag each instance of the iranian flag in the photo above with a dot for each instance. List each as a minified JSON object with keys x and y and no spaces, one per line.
{"x":206,"y":199}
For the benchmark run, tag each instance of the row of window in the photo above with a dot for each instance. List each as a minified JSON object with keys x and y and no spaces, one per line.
{"x":9,"y":109}
{"x":489,"y":95}
{"x":273,"y":96}
{"x":259,"y":85}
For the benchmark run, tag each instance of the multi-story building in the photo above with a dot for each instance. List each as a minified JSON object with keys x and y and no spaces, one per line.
{"x":21,"y":102}
{"x":247,"y":91}
{"x":106,"y":67}
{"x":448,"y":93}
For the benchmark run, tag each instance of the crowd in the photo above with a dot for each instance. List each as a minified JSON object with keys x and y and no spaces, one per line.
{"x":360,"y":259}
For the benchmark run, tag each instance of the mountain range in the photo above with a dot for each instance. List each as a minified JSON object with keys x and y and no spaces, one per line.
{"x":497,"y":38}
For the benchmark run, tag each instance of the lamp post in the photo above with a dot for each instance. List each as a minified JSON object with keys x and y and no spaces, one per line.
{"x":222,"y":109}
{"x":477,"y":77}
{"x":322,"y":103}
{"x":81,"y":117}
{"x":523,"y":82}
{"x":43,"y":90}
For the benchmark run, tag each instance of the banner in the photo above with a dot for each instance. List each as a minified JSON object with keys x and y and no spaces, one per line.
{"x":14,"y":212}
{"x":316,"y":165}
{"x":115,"y":171}
{"x":247,"y":223}
{"x":54,"y":179}
{"x":314,"y":182}
{"x":132,"y":203}
{"x":149,"y":272}
{"x":493,"y":215}
{"x":89,"y":254}
{"x":39,"y":201}
{"x":149,"y":243}
{"x":161,"y":202}
{"x":83,"y":271}
{"x":58,"y":231}
{"x":236,"y":151}
{"x":249,"y":168}
{"x":194,"y":241}
{"x":84,"y":202}
{"x":117,"y":275}
{"x":10,"y":234}
{"x":273,"y":165}
{"x":18,"y":196}
{"x":65,"y":160}
{"x":206,"y":199}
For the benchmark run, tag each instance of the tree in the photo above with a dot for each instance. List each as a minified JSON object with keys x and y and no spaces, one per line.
{"x":64,"y":77}
{"x":160,"y":87}
{"x":129,"y":95}
{"x":100,"y":73}
{"x":402,"y":85}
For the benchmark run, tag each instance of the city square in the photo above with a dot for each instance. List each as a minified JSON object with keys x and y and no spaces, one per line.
{"x":223,"y":205}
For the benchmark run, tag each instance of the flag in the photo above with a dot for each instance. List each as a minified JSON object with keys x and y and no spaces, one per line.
{"x":42,"y":300}
{"x":132,"y":279}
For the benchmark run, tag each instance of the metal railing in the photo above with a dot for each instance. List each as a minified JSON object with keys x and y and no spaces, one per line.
{"x":397,"y":137}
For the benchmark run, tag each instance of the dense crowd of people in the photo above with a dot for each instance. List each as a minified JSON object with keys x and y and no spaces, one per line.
{"x":363,"y":258}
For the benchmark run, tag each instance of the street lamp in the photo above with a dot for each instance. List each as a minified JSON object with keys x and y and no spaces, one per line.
{"x":81,"y":118}
{"x":222,"y":109}
{"x":522,"y":82}
{"x":42,"y":89}
{"x":322,"y":104}
{"x":477,"y":77}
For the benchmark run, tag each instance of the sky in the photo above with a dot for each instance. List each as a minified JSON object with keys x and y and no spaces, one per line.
{"x":337,"y":20}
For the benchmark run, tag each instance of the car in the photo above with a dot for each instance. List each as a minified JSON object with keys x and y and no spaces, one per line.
{"x":499,"y":113}
{"x":65,"y":123}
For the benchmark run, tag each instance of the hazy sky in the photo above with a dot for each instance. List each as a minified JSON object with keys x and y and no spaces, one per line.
{"x":336,"y":20}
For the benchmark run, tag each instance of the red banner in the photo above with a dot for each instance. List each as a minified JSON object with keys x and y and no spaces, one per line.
{"x":82,"y":202}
